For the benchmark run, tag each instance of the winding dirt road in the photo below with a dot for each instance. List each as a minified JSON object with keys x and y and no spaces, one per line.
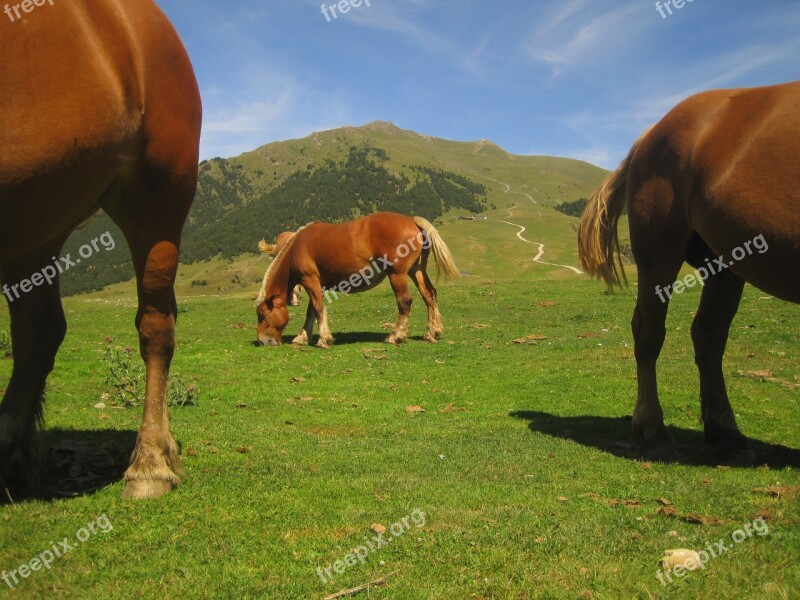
{"x":522,"y":229}
{"x":538,"y":257}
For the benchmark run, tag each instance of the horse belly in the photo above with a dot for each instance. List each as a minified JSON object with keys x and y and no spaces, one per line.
{"x":356,"y":278}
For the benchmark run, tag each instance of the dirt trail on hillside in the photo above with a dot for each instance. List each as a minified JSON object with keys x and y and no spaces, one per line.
{"x":538,"y":257}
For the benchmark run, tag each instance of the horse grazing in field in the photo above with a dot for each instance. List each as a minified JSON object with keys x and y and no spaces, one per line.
{"x":99,"y":109}
{"x":329,"y":259}
{"x":272,"y":250}
{"x":716,"y":184}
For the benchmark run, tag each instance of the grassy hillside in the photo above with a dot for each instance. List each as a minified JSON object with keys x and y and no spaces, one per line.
{"x":339,"y":174}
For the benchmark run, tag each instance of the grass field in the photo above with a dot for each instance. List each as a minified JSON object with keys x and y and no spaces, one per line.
{"x":521,"y":461}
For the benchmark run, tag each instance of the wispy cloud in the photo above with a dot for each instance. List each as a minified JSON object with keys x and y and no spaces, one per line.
{"x":606,"y":131}
{"x":583,"y":33}
{"x":267,"y":105}
{"x":402,"y":19}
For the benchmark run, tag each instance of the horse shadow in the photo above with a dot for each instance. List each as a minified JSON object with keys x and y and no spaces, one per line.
{"x":615,"y":436}
{"x":77,"y":463}
{"x":346,"y":338}
{"x":365,"y":337}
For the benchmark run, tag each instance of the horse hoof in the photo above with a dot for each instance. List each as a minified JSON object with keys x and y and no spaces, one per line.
{"x":140,"y":489}
{"x":430,"y":338}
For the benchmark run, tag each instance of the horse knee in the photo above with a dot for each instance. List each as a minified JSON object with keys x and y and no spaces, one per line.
{"x":404,"y":304}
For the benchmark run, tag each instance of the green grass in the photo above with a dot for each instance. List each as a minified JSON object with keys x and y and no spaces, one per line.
{"x":520,"y":461}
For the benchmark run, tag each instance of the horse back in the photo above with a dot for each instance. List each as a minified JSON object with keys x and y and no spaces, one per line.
{"x":334,"y":251}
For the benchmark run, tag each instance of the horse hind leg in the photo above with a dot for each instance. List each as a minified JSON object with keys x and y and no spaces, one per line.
{"x":38,"y":327}
{"x":316,"y":310}
{"x":428,"y":292}
{"x":155,"y":463}
{"x":718,"y":305}
{"x":399,"y":284}
{"x":649,"y":331}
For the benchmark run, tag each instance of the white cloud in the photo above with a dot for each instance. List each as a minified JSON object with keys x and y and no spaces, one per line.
{"x":583,"y":33}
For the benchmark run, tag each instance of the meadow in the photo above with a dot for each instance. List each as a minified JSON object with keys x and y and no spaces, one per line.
{"x":512,"y":436}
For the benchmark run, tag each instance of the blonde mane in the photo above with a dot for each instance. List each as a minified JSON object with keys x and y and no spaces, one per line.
{"x":262,"y":295}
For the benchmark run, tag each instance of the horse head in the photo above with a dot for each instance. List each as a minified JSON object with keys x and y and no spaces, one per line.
{"x":272,"y":319}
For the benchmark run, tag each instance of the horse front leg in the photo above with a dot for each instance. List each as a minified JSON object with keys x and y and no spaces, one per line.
{"x":304,"y":337}
{"x":316,"y":310}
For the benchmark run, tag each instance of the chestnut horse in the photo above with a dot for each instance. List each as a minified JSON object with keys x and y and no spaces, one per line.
{"x":272,"y":250}
{"x":99,"y":109}
{"x":332,"y":259}
{"x":715,"y":180}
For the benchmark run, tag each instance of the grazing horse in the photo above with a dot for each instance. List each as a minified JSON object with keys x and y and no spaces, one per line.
{"x":329,"y":259}
{"x":273,"y":250}
{"x":99,"y":109}
{"x":715,"y":184}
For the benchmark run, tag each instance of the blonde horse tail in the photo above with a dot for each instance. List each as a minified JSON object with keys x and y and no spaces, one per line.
{"x":598,"y":244}
{"x":441,"y":253}
{"x":265,"y":247}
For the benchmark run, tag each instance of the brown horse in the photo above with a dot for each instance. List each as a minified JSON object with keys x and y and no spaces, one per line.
{"x":716,"y":184}
{"x":99,"y":109}
{"x":273,"y":250}
{"x":328,"y":260}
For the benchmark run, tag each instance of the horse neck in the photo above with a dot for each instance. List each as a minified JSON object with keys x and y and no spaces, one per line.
{"x":277,"y":283}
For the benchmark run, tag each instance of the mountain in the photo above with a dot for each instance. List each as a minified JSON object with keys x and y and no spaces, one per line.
{"x":337,"y":175}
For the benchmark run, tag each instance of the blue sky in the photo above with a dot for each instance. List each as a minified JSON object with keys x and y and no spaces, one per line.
{"x":576,"y":78}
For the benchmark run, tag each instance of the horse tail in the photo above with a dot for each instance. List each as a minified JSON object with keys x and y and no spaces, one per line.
{"x":598,"y":243}
{"x":441,"y":253}
{"x":265,"y":247}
